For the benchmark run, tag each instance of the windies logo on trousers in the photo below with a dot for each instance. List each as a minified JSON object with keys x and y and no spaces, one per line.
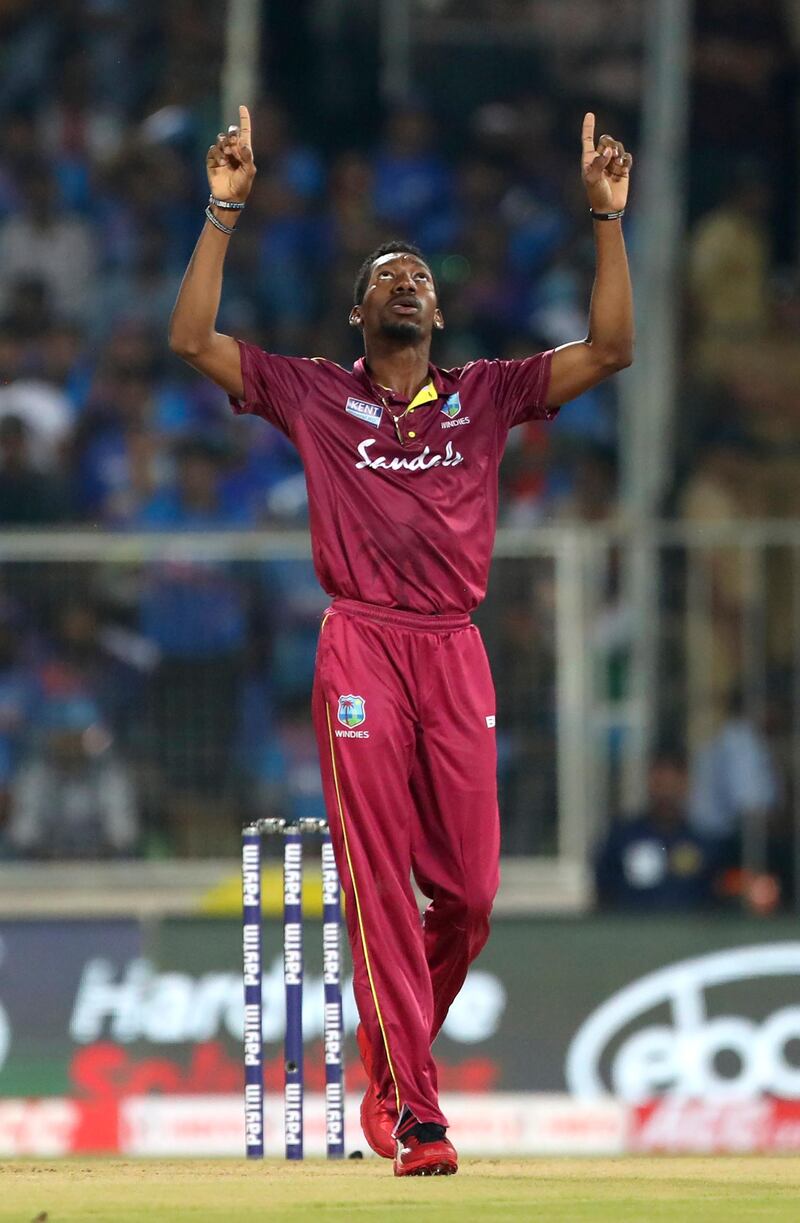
{"x":351,"y":713}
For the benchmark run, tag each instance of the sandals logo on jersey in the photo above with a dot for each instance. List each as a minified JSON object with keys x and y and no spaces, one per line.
{"x":451,"y":409}
{"x":423,"y":461}
{"x":351,"y":713}
{"x":370,"y":413}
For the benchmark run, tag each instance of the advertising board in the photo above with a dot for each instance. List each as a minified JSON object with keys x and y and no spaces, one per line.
{"x":665,"y":1017}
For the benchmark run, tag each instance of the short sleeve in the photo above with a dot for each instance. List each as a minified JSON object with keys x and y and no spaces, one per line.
{"x":274,"y":387}
{"x":520,"y":388}
{"x":748,"y":770}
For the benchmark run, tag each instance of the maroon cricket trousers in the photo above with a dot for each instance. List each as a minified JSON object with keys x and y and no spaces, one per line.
{"x":404,"y":711}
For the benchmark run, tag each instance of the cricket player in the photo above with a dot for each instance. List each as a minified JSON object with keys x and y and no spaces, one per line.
{"x":401,"y":461}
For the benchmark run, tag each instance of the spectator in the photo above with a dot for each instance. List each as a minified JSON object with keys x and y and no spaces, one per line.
{"x":263,"y":475}
{"x":292,"y":586}
{"x":349,"y":223}
{"x":17,"y":127}
{"x":296,"y":165}
{"x":742,"y":57}
{"x":729,"y":259}
{"x":524,"y":475}
{"x":47,"y":415}
{"x":16,"y":702}
{"x":27,"y":497}
{"x":196,"y":500}
{"x":289,"y":235}
{"x":72,"y":798}
{"x":283,"y":766}
{"x":29,"y":315}
{"x":413,"y":183}
{"x":105,"y":662}
{"x":198,"y":615}
{"x":735,"y":788}
{"x":61,"y":362}
{"x":41,"y":241}
{"x":143,"y":293}
{"x":119,"y":456}
{"x":74,"y":132}
{"x":725,"y":486}
{"x":759,"y":388}
{"x":520,"y":627}
{"x":657,"y":862}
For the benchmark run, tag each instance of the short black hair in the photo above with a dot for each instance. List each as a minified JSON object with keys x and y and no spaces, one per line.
{"x":395,"y":247}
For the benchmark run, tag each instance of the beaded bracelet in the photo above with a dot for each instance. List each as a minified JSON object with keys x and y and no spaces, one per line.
{"x":223,"y":229}
{"x":226,"y":205}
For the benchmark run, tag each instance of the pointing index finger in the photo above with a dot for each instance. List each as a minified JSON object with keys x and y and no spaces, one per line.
{"x":244,"y":125}
{"x":587,"y":133}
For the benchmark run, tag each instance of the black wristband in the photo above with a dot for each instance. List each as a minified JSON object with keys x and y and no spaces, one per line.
{"x":607,"y":216}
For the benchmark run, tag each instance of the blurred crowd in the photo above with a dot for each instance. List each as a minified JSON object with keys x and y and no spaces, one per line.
{"x":740,"y":411}
{"x":152,"y":691}
{"x":738,"y":450}
{"x":101,"y":198}
{"x":154,"y":708}
{"x":158,"y":705}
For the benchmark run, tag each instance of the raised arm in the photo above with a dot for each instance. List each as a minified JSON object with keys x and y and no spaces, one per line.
{"x":609,"y":345}
{"x":192,"y":334}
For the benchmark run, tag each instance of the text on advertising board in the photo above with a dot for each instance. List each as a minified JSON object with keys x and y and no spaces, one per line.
{"x":683,"y":1059}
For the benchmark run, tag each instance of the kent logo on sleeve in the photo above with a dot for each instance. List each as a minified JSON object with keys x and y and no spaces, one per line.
{"x":370,"y":413}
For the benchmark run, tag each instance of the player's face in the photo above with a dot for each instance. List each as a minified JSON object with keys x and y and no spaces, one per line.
{"x":400,"y":300}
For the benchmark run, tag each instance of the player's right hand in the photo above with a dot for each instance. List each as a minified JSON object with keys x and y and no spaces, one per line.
{"x":229,"y":162}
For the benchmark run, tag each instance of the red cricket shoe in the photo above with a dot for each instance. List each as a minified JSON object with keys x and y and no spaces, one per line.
{"x":378,"y":1118}
{"x":423,"y":1149}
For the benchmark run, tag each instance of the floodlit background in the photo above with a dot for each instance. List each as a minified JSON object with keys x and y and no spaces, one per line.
{"x":159,"y":612}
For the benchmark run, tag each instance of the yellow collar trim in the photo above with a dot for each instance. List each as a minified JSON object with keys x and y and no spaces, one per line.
{"x":424,"y":396}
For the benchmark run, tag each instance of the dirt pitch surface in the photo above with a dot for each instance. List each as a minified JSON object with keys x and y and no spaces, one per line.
{"x":626,"y":1190}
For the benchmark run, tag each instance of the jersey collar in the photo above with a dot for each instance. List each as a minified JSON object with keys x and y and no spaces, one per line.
{"x":361,"y":372}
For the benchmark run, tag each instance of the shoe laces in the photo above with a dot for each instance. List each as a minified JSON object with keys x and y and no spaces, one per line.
{"x":423,"y":1131}
{"x":428,"y":1131}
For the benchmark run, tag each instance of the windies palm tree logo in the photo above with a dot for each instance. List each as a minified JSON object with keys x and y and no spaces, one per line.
{"x":351,"y":710}
{"x":452,"y":406}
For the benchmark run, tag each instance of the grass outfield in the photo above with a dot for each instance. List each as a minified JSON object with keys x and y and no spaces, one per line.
{"x":626,"y":1190}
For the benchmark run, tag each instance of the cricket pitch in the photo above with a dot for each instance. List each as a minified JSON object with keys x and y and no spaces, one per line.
{"x":626,"y":1190}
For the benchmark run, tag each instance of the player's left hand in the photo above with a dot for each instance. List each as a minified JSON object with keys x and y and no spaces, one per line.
{"x":606,"y":169}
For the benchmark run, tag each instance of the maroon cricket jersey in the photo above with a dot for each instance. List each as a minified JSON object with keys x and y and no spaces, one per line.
{"x":403,"y":508}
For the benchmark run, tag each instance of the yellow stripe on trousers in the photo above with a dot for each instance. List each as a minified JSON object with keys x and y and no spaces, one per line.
{"x":358,"y":909}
